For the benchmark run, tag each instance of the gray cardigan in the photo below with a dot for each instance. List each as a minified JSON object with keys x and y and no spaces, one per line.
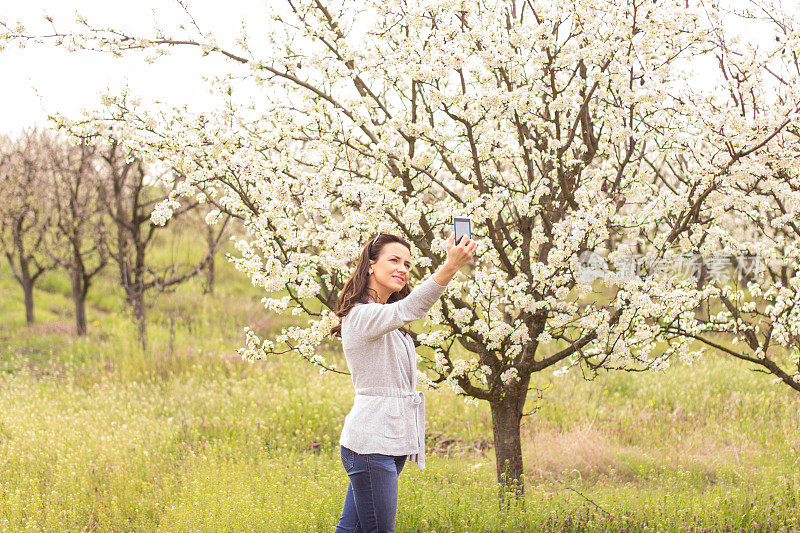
{"x":388,"y":413}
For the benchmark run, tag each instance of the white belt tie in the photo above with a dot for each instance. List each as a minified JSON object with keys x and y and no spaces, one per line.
{"x":417,"y":400}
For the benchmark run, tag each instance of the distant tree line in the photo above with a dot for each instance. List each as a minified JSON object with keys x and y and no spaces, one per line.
{"x":81,"y":205}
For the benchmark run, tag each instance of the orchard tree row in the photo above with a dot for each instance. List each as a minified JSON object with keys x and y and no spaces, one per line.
{"x":79,"y":206}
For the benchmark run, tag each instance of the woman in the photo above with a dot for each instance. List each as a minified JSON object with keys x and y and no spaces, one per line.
{"x":387,"y":420}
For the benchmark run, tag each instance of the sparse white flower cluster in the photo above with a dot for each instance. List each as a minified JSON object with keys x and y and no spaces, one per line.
{"x":509,"y":376}
{"x":254,"y":348}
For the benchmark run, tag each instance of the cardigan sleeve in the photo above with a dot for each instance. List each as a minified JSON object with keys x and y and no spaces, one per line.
{"x":371,"y":320}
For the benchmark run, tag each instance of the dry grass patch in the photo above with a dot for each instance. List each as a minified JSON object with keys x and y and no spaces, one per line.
{"x":550,"y":453}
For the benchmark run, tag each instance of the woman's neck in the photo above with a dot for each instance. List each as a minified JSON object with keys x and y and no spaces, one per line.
{"x":379,"y":294}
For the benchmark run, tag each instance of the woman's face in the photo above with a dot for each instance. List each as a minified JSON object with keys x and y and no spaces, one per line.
{"x":391,"y":270}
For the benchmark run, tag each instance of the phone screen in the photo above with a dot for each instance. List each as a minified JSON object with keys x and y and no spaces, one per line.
{"x":463,"y":226}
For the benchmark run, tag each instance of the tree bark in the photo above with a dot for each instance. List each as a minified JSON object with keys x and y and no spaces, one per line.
{"x":79,"y":290}
{"x":212,"y":242}
{"x":80,"y":315}
{"x":24,"y":277}
{"x":506,"y":419}
{"x":139,"y":317}
{"x":27,"y":289}
{"x":208,"y":287}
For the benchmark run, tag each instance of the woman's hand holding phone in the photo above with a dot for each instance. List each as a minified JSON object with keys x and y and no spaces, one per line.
{"x":460,"y":254}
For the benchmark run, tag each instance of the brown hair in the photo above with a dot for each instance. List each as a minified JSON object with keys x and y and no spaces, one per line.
{"x":356,"y":289}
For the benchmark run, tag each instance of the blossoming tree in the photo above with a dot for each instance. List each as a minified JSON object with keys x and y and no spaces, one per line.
{"x":26,"y":214}
{"x":78,"y":242}
{"x":747,"y":221}
{"x":553,"y":125}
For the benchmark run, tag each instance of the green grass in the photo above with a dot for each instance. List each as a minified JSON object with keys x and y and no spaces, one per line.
{"x":96,"y":435}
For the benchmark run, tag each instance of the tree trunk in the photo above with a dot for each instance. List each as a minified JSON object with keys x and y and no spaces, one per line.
{"x":79,"y":301}
{"x":80,"y":316}
{"x":79,"y":290}
{"x":139,"y":318}
{"x":27,"y":289}
{"x":208,"y":288}
{"x":209,"y":285}
{"x":506,"y":418}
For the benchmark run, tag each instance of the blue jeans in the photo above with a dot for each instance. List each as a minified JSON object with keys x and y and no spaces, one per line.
{"x":371,"y":501}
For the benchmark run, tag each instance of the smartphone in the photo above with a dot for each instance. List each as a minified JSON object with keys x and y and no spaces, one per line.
{"x":462,"y":226}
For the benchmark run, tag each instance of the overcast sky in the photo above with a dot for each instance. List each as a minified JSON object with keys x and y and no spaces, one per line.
{"x":38,"y":80}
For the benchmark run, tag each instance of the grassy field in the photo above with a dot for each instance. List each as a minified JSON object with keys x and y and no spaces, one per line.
{"x":97,"y":436}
